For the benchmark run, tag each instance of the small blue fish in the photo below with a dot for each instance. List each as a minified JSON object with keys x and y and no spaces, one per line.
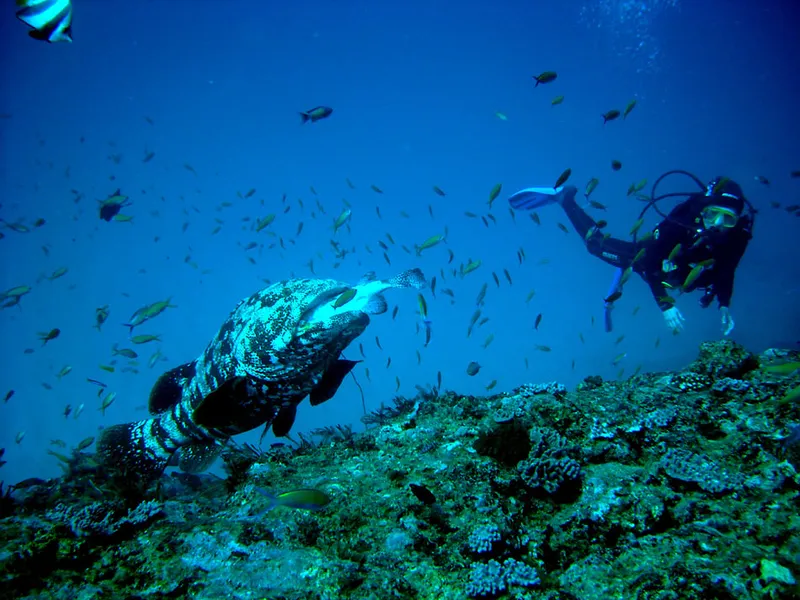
{"x":307,"y":499}
{"x":428,"y":331}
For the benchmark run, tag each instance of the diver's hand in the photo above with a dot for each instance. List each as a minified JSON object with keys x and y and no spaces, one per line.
{"x":727,"y":320}
{"x":674,"y":319}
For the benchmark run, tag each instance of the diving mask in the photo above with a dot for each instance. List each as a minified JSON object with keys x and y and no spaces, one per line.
{"x":719,"y":217}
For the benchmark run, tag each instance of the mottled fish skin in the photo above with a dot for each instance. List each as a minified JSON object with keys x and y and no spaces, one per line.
{"x":274,"y":342}
{"x":262,"y":341}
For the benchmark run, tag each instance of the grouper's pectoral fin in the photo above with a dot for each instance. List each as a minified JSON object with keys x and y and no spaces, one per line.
{"x":196,"y":458}
{"x":331,"y":380}
{"x":324,"y":390}
{"x":226,"y":408}
{"x":282,"y":424}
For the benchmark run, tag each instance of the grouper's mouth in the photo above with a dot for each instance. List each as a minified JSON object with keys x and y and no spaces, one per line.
{"x":306,"y":320}
{"x":302,"y":335}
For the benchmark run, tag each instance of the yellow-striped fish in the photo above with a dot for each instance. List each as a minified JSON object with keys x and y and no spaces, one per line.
{"x":787,"y":368}
{"x":50,"y":20}
{"x":307,"y":499}
{"x":423,"y":306}
{"x":494,"y":193}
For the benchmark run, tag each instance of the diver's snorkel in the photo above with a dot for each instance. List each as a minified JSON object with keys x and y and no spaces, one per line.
{"x":653,"y":202}
{"x":709,"y":190}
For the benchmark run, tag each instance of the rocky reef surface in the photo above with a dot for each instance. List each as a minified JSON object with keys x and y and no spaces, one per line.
{"x":664,"y":486}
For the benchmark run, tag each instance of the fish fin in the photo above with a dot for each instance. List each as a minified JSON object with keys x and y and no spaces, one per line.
{"x":139,"y":451}
{"x":47,"y":27}
{"x":377,"y":305}
{"x":413,"y":278}
{"x":227,"y":409}
{"x":282,"y":424}
{"x":304,"y":117}
{"x":332,"y":378}
{"x":264,"y":432}
{"x":271,"y":499}
{"x":607,"y":321}
{"x":168,"y":389}
{"x":198,"y":457}
{"x":40,"y":35}
{"x":175,"y":459}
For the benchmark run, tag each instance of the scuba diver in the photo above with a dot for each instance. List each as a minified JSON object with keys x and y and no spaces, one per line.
{"x":697,"y":246}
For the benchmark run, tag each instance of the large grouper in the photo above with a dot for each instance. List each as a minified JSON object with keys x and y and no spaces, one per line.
{"x":277,"y":347}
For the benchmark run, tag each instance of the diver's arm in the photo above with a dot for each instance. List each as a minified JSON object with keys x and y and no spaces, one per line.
{"x":666,"y":236}
{"x":726,"y":265}
{"x":659,"y":292}
{"x":724,"y":288}
{"x":672,"y":316}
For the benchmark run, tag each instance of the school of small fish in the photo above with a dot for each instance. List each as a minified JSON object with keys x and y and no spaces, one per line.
{"x":273,"y":226}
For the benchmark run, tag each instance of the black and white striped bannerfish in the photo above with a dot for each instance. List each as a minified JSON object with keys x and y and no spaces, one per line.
{"x":51,"y":20}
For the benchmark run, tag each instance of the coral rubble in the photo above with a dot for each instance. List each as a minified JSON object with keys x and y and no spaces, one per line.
{"x":664,"y":486}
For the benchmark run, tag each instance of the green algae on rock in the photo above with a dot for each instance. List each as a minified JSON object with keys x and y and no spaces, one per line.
{"x":667,"y":485}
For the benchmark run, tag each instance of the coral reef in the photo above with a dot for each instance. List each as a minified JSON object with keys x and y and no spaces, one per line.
{"x":664,"y":486}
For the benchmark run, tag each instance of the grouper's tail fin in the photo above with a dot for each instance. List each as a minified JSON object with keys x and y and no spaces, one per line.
{"x":138,"y":451}
{"x":413,"y":278}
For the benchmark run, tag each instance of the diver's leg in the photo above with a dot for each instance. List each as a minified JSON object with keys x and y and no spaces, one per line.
{"x":579,"y":218}
{"x":616,"y":252}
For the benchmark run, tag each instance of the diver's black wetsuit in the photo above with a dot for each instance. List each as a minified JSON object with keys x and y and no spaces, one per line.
{"x":684,"y":226}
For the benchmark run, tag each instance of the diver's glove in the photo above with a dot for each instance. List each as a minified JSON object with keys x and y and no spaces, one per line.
{"x":674,"y":319}
{"x":707,"y":298}
{"x":727,"y":320}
